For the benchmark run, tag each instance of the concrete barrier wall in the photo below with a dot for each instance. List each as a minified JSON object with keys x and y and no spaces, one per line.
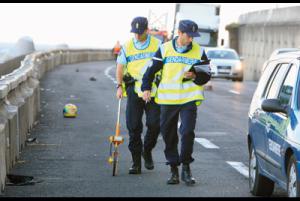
{"x":20,"y":98}
{"x":259,"y":33}
{"x":10,"y":65}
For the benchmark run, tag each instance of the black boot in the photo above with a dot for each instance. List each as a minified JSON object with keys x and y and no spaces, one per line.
{"x":174,"y":179}
{"x":186,"y":175}
{"x":136,"y":166}
{"x":148,"y":160}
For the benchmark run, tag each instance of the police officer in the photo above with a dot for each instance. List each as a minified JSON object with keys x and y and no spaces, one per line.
{"x":179,"y":93}
{"x":132,"y":62}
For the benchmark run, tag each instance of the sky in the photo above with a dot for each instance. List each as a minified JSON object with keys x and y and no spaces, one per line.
{"x":97,"y":25}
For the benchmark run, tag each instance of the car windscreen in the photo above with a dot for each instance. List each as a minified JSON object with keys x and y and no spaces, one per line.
{"x":221,"y":54}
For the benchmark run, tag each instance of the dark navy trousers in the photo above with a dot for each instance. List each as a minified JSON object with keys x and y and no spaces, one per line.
{"x":134,"y":113}
{"x":169,"y":126}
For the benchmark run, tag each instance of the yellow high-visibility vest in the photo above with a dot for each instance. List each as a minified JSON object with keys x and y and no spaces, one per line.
{"x":138,"y":61}
{"x":172,"y":90}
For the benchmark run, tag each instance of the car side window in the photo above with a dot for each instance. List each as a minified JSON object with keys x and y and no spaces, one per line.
{"x":277,"y":81}
{"x":269,"y":81}
{"x":288,"y":85}
{"x":266,"y":78}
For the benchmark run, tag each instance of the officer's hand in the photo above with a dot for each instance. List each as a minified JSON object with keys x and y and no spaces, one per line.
{"x":189,"y":75}
{"x":119,"y":93}
{"x":147,"y":95}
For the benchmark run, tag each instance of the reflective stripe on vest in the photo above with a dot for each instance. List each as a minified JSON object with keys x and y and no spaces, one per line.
{"x":138,"y":61}
{"x":172,"y":90}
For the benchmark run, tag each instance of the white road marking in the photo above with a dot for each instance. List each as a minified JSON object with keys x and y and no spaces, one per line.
{"x":240,"y":167}
{"x":234,"y":92}
{"x":178,"y":125}
{"x":108,"y":75}
{"x":206,"y":143}
{"x":210,"y":133}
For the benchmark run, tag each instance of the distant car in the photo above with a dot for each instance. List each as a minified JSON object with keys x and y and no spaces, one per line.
{"x":225,"y":63}
{"x":274,"y":128}
{"x":282,"y":50}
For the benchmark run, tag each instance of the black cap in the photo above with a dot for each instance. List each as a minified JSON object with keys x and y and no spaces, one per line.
{"x":139,"y":25}
{"x":189,"y":27}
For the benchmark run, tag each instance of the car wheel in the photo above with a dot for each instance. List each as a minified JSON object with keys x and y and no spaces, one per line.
{"x":233,"y":79}
{"x":293,"y":187}
{"x":259,"y":185}
{"x":240,"y":79}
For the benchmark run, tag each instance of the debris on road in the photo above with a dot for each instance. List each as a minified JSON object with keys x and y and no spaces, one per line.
{"x":70,"y":110}
{"x":20,"y":180}
{"x":30,"y":140}
{"x":93,"y":79}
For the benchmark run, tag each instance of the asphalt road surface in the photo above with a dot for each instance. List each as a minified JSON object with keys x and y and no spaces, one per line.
{"x":69,"y":157}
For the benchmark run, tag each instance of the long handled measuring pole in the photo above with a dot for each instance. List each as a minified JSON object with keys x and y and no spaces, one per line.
{"x":118,"y":120}
{"x":114,"y":142}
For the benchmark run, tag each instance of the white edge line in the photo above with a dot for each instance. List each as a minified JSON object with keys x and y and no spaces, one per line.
{"x":211,"y":133}
{"x":240,"y":167}
{"x":108,"y":75}
{"x":234,"y":92}
{"x":206,"y":143}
